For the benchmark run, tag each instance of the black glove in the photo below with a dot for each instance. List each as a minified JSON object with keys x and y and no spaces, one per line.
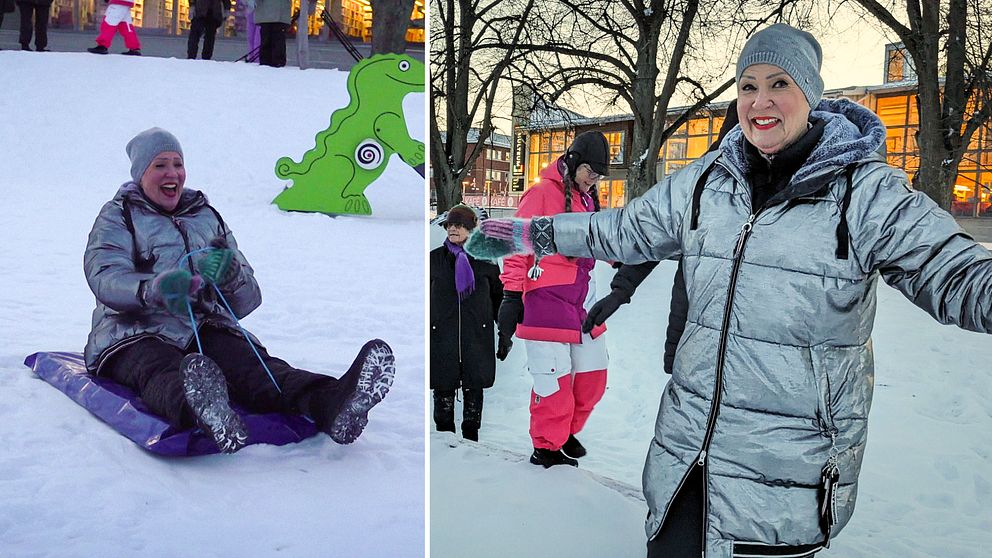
{"x":511,"y":313}
{"x":505,"y":344}
{"x":604,"y":309}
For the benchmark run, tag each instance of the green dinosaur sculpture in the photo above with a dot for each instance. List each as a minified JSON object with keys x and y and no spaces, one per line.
{"x":353,"y":151}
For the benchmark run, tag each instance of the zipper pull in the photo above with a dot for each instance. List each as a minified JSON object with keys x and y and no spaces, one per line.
{"x":702,"y":458}
{"x":745,"y":230}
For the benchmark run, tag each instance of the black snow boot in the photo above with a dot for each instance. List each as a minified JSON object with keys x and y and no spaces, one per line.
{"x":98,"y":49}
{"x":375,"y":367}
{"x":547,"y":458}
{"x":444,"y":410}
{"x":206,"y":393}
{"x":573,"y":448}
{"x":472,"y":414}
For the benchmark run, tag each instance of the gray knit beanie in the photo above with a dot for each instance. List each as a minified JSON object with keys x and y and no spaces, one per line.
{"x":791,"y":49}
{"x":143,"y":148}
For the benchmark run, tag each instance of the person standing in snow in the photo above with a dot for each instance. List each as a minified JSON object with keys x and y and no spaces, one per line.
{"x":784,"y":233}
{"x":117,"y":18}
{"x":465,"y":295}
{"x":629,"y":277}
{"x":253,"y":32}
{"x":273,"y":18}
{"x":208,"y":15}
{"x":156,"y":258}
{"x":544,"y":303}
{"x":34,"y":15}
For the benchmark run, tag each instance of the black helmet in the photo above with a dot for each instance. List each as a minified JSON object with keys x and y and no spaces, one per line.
{"x":590,"y":148}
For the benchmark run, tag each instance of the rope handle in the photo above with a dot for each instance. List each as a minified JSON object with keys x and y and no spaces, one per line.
{"x":196,"y":333}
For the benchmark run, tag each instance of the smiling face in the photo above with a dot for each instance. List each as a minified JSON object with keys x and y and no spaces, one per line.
{"x":773,"y":111}
{"x":457,"y":233}
{"x":163,"y":180}
{"x":585,"y":178}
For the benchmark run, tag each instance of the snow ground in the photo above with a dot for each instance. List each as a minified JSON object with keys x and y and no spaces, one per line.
{"x":72,"y":487}
{"x":925,"y":484}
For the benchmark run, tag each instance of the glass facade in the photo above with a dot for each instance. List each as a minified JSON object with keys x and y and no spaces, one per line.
{"x":612,"y":193}
{"x":546,"y":146}
{"x":616,"y":141}
{"x":172,"y":16}
{"x":898,"y":64}
{"x":973,"y":188}
{"x":543,"y":148}
{"x":688,"y":143}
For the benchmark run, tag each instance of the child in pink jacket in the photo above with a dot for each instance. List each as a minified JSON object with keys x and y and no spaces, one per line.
{"x":117,"y":18}
{"x":545,"y":303}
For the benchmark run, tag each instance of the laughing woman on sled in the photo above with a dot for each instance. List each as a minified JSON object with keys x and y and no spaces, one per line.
{"x":783,"y":233}
{"x":170,"y":285}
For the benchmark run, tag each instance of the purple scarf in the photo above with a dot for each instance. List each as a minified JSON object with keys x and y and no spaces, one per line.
{"x":464,"y":276}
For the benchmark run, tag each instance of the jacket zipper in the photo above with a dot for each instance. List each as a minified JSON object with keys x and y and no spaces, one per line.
{"x":721,"y":360}
{"x":718,"y":381}
{"x":725,"y":327}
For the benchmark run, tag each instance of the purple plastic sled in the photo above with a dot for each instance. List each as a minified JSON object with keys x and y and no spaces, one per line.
{"x":119,"y":407}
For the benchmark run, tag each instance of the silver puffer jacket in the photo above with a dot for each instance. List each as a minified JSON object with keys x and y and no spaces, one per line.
{"x":773,"y":375}
{"x":117,"y":261}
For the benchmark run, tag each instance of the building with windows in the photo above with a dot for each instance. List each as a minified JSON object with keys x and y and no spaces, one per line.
{"x":487,"y":183}
{"x":172,"y":17}
{"x":542,"y":136}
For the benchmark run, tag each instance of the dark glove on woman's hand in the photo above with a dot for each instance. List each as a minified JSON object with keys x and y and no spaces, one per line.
{"x":504,"y":346}
{"x":171,"y":289}
{"x":219,"y":265}
{"x":604,"y":309}
{"x":511,"y":313}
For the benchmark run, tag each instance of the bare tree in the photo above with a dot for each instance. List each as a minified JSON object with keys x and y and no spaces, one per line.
{"x":954,"y":36}
{"x":390,"y":20}
{"x":640,"y":53}
{"x":465,"y":75}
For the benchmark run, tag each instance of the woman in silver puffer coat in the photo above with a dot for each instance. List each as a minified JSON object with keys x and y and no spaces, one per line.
{"x":783,"y":233}
{"x":156,"y":259}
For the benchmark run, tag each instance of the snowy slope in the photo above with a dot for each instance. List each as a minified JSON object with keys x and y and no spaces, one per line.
{"x":69,"y":485}
{"x":925,"y":485}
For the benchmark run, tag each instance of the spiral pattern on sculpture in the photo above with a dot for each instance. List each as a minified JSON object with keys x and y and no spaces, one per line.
{"x":369,"y":154}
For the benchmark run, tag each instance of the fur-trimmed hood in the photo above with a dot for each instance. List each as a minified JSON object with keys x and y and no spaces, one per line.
{"x":852,"y":134}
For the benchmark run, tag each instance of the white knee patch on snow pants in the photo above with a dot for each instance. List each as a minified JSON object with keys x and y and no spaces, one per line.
{"x":117,"y":13}
{"x":548,"y":360}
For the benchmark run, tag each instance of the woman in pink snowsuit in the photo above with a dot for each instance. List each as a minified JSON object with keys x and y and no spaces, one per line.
{"x":116,"y":18}
{"x":545,"y":302}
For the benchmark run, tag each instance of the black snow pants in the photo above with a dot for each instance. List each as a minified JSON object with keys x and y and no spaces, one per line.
{"x":150,"y":367}
{"x":202,"y":27}
{"x":681,"y":534}
{"x":273,"y":44}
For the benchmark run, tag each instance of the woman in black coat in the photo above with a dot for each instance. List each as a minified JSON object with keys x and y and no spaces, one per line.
{"x":465,"y":298}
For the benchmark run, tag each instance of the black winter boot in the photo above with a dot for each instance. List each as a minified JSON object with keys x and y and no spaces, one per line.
{"x":206,"y":393}
{"x":444,"y":410}
{"x":376,"y":367}
{"x":472,"y":414}
{"x":573,"y":448}
{"x":547,"y":458}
